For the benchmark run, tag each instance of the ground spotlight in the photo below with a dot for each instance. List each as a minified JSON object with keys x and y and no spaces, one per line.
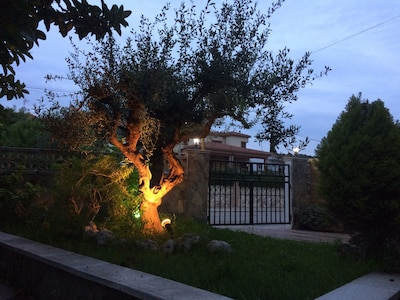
{"x":166,"y":223}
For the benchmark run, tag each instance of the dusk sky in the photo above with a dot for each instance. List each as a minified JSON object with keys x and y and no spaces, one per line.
{"x":358,"y":39}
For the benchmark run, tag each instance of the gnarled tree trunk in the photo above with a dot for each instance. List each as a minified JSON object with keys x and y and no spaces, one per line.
{"x":172,"y":175}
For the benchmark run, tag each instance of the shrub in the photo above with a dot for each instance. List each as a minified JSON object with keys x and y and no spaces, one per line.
{"x":359,"y":164}
{"x":315,"y":217}
{"x":96,"y":188}
{"x":17,"y":196}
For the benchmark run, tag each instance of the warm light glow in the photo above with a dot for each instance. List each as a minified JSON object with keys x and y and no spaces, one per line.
{"x":196,"y":141}
{"x":165,"y":222}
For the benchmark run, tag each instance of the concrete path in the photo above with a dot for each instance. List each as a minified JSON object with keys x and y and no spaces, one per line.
{"x":373,"y":286}
{"x":285,"y":232}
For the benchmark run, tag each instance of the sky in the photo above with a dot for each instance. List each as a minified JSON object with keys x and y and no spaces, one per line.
{"x":358,"y":39}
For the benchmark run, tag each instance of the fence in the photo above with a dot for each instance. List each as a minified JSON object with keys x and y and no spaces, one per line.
{"x":259,"y":199}
{"x":30,"y":160}
{"x":248,"y":193}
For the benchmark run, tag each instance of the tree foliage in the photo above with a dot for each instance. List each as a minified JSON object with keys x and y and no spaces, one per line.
{"x":174,"y":78}
{"x":275,"y":131}
{"x":283,"y":78}
{"x":21,"y":129}
{"x":359,"y":163}
{"x":19,"y":22}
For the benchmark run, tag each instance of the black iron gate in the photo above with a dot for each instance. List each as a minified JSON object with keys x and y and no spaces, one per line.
{"x":248,"y":193}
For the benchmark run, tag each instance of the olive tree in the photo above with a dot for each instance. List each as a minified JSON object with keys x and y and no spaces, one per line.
{"x":173,"y":79}
{"x":359,"y":164}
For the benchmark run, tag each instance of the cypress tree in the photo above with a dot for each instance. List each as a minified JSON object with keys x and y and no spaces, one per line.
{"x":359,"y":164}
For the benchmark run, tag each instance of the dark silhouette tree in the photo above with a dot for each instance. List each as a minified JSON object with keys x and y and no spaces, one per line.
{"x":275,"y":131}
{"x":173,"y":80}
{"x":19,"y":22}
{"x":359,"y":164}
{"x":283,"y":79}
{"x":21,"y":129}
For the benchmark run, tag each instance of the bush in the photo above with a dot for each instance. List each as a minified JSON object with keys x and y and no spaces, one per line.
{"x":97,"y":188}
{"x":17,"y":196}
{"x":317,"y":217}
{"x":359,"y":164}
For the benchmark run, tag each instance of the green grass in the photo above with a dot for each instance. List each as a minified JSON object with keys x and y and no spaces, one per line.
{"x":258,"y":268}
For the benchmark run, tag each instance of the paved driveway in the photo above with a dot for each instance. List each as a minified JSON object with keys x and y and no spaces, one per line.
{"x":285,"y":232}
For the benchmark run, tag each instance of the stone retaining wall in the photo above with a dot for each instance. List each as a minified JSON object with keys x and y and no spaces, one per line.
{"x":190,"y":197}
{"x":51,"y":273}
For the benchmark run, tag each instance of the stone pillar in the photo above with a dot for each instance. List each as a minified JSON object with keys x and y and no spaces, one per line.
{"x":300,"y":187}
{"x":304,"y":181}
{"x":190,"y":197}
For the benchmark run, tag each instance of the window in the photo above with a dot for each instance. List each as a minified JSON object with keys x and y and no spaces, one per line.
{"x":243,"y":144}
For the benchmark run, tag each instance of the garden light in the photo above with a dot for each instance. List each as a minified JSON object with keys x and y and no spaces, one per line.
{"x":166,"y":223}
{"x":196,"y":142}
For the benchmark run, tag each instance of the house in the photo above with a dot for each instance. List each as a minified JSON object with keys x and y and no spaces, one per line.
{"x":229,"y":146}
{"x":235,"y":139}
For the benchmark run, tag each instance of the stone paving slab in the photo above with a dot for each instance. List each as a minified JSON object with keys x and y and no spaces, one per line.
{"x":373,"y":286}
{"x":285,"y":232}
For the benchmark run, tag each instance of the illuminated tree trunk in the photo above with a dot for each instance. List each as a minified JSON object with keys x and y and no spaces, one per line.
{"x":150,"y":216}
{"x":153,"y":194}
{"x":172,"y":175}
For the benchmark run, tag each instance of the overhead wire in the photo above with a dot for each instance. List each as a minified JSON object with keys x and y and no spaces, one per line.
{"x":356,"y":34}
{"x":345,"y":39}
{"x":42,"y":89}
{"x":315,"y":51}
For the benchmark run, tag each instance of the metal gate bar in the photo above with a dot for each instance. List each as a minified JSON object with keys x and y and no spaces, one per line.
{"x":248,"y":193}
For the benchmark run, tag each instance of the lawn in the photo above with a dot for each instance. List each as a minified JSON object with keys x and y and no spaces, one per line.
{"x":258,"y":268}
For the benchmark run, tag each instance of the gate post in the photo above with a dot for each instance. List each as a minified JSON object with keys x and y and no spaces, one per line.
{"x":190,"y":197}
{"x":300,"y":186}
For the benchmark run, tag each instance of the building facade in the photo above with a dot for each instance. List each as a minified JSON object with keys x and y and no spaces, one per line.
{"x":227,"y":146}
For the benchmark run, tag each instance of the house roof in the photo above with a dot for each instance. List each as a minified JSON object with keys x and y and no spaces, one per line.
{"x":230,"y":133}
{"x":227,"y":150}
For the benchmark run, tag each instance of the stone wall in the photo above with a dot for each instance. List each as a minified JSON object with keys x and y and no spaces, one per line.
{"x":190,"y":197}
{"x":304,"y":186}
{"x":51,"y":273}
{"x":300,"y":187}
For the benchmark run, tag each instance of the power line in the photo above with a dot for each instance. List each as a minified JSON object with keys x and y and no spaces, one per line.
{"x":315,"y":51}
{"x":43,"y":89}
{"x":347,"y":38}
{"x":355,"y":34}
